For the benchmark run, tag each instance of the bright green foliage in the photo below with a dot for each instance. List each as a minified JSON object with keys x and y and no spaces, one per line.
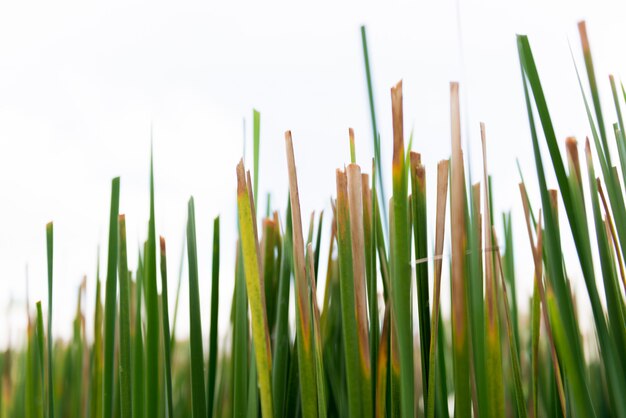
{"x":357,"y":353}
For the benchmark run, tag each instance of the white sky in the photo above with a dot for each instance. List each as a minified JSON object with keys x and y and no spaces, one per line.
{"x":81,"y":84}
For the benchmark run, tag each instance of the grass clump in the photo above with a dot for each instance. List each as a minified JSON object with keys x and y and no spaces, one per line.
{"x":356,"y":352}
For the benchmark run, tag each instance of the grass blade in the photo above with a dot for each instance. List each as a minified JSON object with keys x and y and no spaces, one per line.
{"x":351,"y":341}
{"x":495,"y":379}
{"x":138,"y":364}
{"x":124,"y":324}
{"x":357,"y":241}
{"x":420,"y":236}
{"x":401,"y":254}
{"x":595,"y":94}
{"x":195,"y":330}
{"x":306,"y":370}
{"x":166,"y":331}
{"x":281,"y":331}
{"x":152,"y":311}
{"x":375,"y":135}
{"x":317,"y":337}
{"x":110,"y":303}
{"x":50,"y":251}
{"x":212,"y":375}
{"x":240,"y":338}
{"x":568,"y":345}
{"x":39,"y":363}
{"x":442,"y":191}
{"x":255,"y":288}
{"x":382,"y":363}
{"x":460,"y":336}
{"x":514,"y":353}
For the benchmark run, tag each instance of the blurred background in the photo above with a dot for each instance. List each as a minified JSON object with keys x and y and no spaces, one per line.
{"x":84,"y":88}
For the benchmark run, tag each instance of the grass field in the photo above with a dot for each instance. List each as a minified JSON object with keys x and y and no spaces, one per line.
{"x":356,"y":352}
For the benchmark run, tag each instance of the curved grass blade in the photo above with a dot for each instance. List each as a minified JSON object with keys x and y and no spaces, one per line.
{"x":195,"y":330}
{"x":569,"y":346}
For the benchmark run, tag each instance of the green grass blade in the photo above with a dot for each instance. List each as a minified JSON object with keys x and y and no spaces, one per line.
{"x":39,"y":364}
{"x":317,"y":337}
{"x":348,"y":299}
{"x":166,"y":331}
{"x":281,"y":330}
{"x":253,"y":390}
{"x":195,"y":321}
{"x":215,"y":284}
{"x":50,"y":251}
{"x":568,"y":344}
{"x":255,"y":288}
{"x":401,"y":255}
{"x":420,"y":236}
{"x":620,"y":120}
{"x":375,"y":135}
{"x":138,"y":364}
{"x":124,"y":324}
{"x":97,"y":361}
{"x":180,"y":281}
{"x":256,"y":137}
{"x":110,"y":304}
{"x":240,"y":338}
{"x":153,"y":327}
{"x":372,"y":277}
{"x":595,"y":94}
{"x":508,"y":259}
{"x":318,"y":243}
